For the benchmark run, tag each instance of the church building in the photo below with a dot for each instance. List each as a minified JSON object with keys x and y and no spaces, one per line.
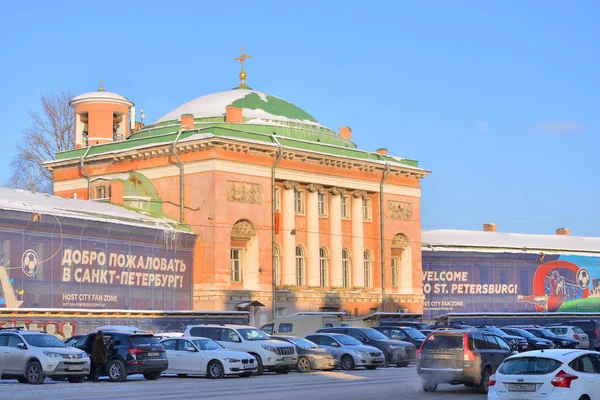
{"x":290,"y":215}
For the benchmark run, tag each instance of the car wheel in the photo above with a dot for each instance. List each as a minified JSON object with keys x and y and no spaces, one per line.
{"x":182,"y":375}
{"x":483,"y":386}
{"x":282,"y":371}
{"x":76,"y":379}
{"x":152,"y":376}
{"x":260,"y":369}
{"x":430,"y":386}
{"x":34,"y":373}
{"x":347,"y":362}
{"x":116,"y":371}
{"x":215,"y":370}
{"x":402,"y":365}
{"x":22,"y":379}
{"x":303,"y":364}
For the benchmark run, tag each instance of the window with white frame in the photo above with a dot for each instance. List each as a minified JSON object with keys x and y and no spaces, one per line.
{"x":236,"y":265}
{"x":395,"y":263}
{"x":322,"y":204}
{"x":368,"y":263}
{"x":367,"y":209}
{"x":299,"y":201}
{"x":322,"y":267}
{"x":345,"y":268}
{"x":345,"y":206}
{"x":277,"y":197}
{"x":276,"y":265}
{"x":299,"y":266}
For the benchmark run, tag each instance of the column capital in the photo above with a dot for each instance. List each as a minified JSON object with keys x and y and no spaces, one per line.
{"x":288,"y":185}
{"x":359,"y":194}
{"x":336,"y":190}
{"x":314,"y":188}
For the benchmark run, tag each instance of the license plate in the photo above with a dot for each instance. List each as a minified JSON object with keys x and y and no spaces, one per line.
{"x":75,"y":368}
{"x":153,"y":354}
{"x":288,"y":359}
{"x":248,"y":366}
{"x":442,"y":356}
{"x":377,"y":360}
{"x":521,"y":387}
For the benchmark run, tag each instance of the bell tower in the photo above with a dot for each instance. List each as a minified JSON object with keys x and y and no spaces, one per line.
{"x":101,"y":117}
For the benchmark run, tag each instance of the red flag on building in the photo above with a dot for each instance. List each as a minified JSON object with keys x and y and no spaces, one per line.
{"x":276,"y":222}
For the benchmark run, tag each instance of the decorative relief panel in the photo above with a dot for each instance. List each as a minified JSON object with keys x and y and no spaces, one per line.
{"x":243,"y":192}
{"x":400,"y":210}
{"x":400,"y":242}
{"x":243,"y":230}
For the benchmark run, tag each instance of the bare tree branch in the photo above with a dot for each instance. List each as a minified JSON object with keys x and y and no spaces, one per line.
{"x":51,"y":131}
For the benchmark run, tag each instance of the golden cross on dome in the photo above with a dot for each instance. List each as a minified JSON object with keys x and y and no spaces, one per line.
{"x":101,"y":85}
{"x":242,"y":58}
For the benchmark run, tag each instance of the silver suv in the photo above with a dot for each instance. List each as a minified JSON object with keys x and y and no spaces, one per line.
{"x":31,"y":357}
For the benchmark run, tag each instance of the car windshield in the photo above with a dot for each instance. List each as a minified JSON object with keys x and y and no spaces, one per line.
{"x":524,"y":333}
{"x":304,"y":344}
{"x":207,"y":344}
{"x":347,"y":340}
{"x":547,"y":333}
{"x":143,"y":340}
{"x":413,"y":333}
{"x":252,"y":334}
{"x":42,"y":340}
{"x":495,"y":330}
{"x":372,"y":334}
{"x":529,"y":366}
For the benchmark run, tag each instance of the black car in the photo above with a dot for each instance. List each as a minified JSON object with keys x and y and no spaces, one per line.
{"x":559,"y":342}
{"x":396,"y":352}
{"x":72,"y":340}
{"x":409,"y":324}
{"x":310,"y":355}
{"x":461,"y":357}
{"x":129,"y":353}
{"x":402,"y":333}
{"x":517,"y":342}
{"x":534,"y":342}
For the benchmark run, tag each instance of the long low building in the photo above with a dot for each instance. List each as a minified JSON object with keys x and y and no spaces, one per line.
{"x":490,"y":271}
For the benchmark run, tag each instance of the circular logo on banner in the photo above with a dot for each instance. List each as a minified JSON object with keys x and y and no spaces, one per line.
{"x":30,"y":262}
{"x":583,"y":278}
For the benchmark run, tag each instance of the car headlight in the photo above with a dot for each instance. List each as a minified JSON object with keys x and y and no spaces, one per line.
{"x":232,"y":360}
{"x":268,"y":347}
{"x":363,"y":353}
{"x":540,"y":343}
{"x":52,"y":354}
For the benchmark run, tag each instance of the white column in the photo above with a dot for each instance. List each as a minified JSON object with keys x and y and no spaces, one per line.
{"x":358,"y":243}
{"x":312,"y":236}
{"x":335,"y":235}
{"x":288,"y":216}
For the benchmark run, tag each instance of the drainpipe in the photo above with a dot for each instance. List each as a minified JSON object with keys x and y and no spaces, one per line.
{"x":87,"y":176}
{"x":386,"y":172}
{"x":273,"y":211}
{"x":180,"y":165}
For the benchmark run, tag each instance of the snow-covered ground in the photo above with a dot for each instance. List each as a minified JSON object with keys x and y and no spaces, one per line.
{"x":381,"y":384}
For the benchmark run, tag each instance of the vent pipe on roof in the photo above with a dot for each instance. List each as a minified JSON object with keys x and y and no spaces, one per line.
{"x":563,"y":231}
{"x":489,"y":227}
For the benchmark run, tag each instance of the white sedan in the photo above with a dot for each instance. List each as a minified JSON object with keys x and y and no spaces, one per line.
{"x":548,"y":374}
{"x":203,"y":356}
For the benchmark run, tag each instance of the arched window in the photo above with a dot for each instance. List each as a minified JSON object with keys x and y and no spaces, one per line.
{"x":345,"y":268}
{"x":276,"y":266}
{"x":299,"y":266}
{"x":322,"y":267}
{"x":368,"y":263}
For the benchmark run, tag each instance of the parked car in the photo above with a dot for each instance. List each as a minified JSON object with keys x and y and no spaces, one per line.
{"x":271,"y":355}
{"x":461,"y":357}
{"x":534,"y":342}
{"x":571,"y":332}
{"x":72,"y":340}
{"x":401,"y":333}
{"x":31,"y":357}
{"x":396,"y":352}
{"x":559,"y":342}
{"x":310,"y":355}
{"x":517,"y":342}
{"x":165,"y":335}
{"x":351,"y":352}
{"x":129,"y":353}
{"x":203,"y":356}
{"x":548,"y":374}
{"x":591,"y":327}
{"x":302,"y":324}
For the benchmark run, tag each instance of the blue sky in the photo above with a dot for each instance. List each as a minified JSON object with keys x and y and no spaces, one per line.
{"x":499,"y":99}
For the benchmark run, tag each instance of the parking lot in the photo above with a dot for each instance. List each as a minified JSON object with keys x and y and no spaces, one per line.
{"x":388,"y":383}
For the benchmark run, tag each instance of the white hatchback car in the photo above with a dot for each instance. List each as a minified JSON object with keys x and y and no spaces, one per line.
{"x":560,"y":374}
{"x":203,"y":356}
{"x":571,"y":332}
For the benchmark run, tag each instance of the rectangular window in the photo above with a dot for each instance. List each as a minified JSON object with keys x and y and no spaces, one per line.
{"x":345,"y":206}
{"x":367,"y":209}
{"x":346,"y":273}
{"x":281,"y":312}
{"x":322,"y":204}
{"x":299,"y":201}
{"x":395,"y":263}
{"x":277,"y":201}
{"x":286,"y":328}
{"x":323,"y":272}
{"x":236,"y":265}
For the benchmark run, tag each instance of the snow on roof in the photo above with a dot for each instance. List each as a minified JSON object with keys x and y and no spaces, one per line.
{"x":25,"y":201}
{"x":456,"y":240}
{"x":100,"y":96}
